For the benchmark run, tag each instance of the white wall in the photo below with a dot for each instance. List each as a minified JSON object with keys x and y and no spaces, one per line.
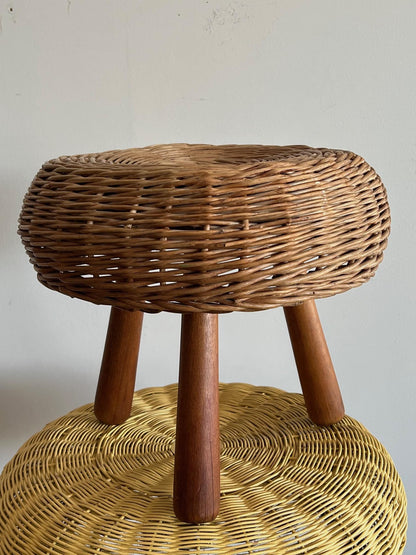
{"x":91,"y":75}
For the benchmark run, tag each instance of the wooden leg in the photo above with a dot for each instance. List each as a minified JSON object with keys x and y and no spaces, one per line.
{"x":317,"y":377}
{"x":197,"y":454}
{"x":118,"y":368}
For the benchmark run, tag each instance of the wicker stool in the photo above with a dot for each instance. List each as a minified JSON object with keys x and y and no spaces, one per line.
{"x":288,"y":487}
{"x":202,"y":230}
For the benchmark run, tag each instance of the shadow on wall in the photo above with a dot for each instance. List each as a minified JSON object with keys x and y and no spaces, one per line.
{"x":10,"y":206}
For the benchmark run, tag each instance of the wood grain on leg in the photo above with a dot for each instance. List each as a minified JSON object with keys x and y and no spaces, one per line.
{"x":118,"y":368}
{"x":316,"y":373}
{"x":197,"y":452}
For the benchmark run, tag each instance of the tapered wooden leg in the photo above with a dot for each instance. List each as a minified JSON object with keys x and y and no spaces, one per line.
{"x":317,"y":377}
{"x":197,"y":453}
{"x":118,"y":368}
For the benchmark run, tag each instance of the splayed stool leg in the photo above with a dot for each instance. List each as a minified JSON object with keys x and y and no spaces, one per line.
{"x":118,"y":368}
{"x":316,"y":373}
{"x":197,"y":452}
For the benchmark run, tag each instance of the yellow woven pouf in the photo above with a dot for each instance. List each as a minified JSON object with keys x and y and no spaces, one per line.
{"x":287,"y":486}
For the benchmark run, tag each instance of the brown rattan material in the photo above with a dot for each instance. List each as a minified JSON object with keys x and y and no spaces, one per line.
{"x":288,"y":486}
{"x":205,"y":228}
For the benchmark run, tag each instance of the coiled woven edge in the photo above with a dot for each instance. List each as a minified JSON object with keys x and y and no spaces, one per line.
{"x":287,"y":485}
{"x":205,"y":228}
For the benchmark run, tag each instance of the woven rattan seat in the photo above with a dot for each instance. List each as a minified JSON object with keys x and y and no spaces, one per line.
{"x":205,"y":228}
{"x":288,"y":486}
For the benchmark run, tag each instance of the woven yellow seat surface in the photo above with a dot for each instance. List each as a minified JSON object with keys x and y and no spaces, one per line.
{"x":287,"y":486}
{"x":205,"y":228}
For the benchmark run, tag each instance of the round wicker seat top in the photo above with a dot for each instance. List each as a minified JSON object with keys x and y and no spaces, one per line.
{"x":182,"y":227}
{"x":288,"y":487}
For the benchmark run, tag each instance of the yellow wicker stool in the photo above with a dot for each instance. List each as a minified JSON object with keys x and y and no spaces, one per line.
{"x":287,"y":485}
{"x":202,"y":230}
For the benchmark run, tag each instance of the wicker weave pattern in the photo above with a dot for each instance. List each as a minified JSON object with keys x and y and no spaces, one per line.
{"x":288,"y":486}
{"x":205,"y":228}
